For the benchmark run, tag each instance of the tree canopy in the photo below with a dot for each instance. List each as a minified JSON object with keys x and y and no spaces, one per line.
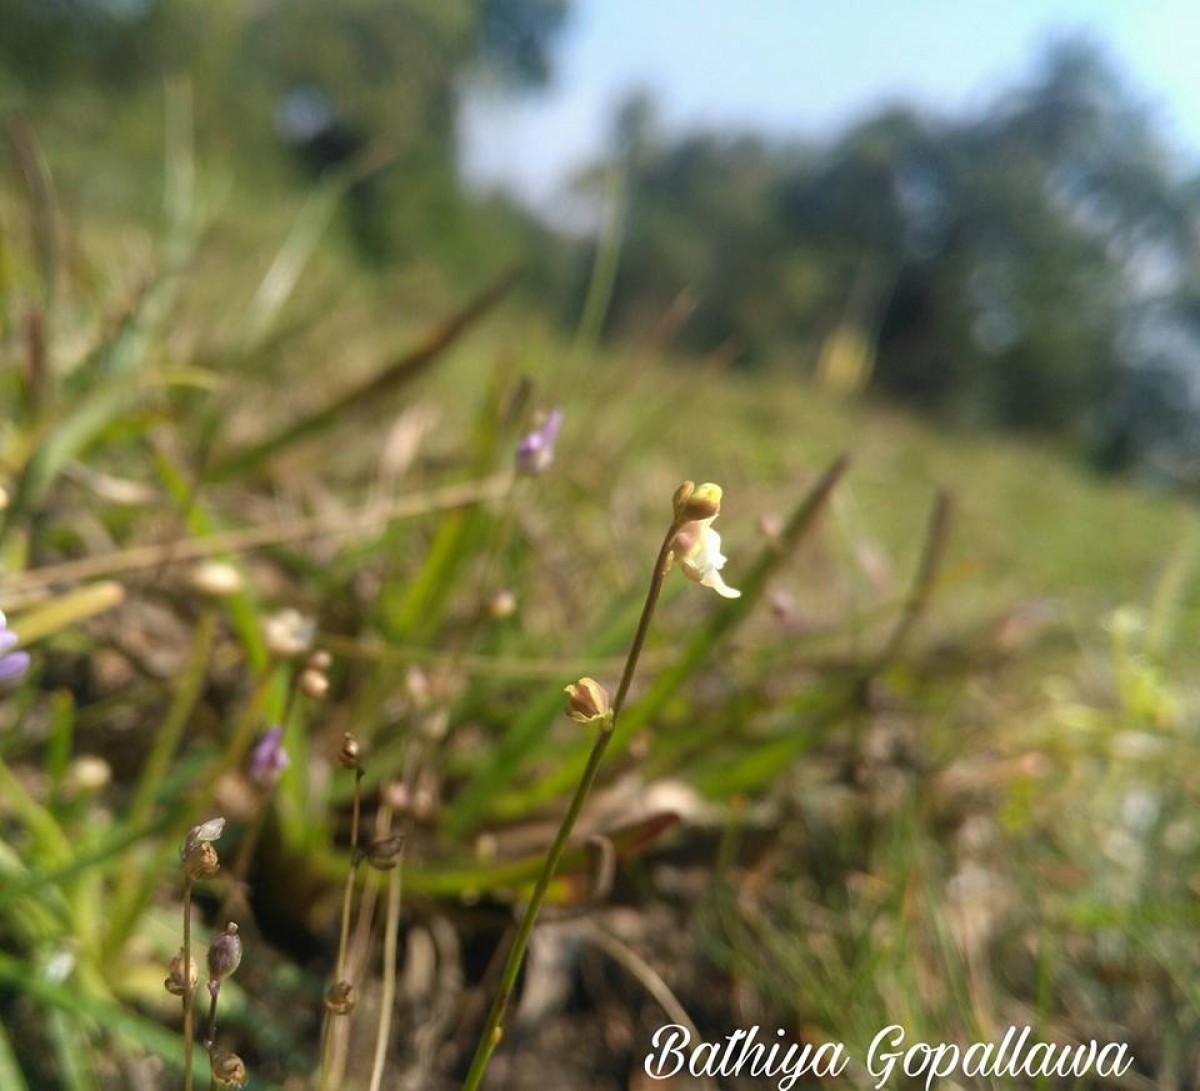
{"x":1033,"y":265}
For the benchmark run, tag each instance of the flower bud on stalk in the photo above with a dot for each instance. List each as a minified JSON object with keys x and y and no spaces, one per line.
{"x":588,"y":701}
{"x":198,"y":853}
{"x":349,"y":757}
{"x":224,"y":956}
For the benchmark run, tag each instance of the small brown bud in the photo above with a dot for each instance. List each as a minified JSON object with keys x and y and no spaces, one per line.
{"x":320,"y":660}
{"x":340,"y":998}
{"x":224,"y":954}
{"x":228,"y":1070}
{"x":313,"y":684}
{"x":176,"y":984}
{"x":384,"y":853}
{"x":349,"y":756}
{"x":587,"y":701}
{"x":502,"y":604}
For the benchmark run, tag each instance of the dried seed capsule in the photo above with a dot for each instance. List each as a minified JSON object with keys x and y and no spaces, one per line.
{"x":200,"y":861}
{"x":228,"y":1070}
{"x":383,"y":853}
{"x":348,"y":756}
{"x":340,"y":998}
{"x":176,"y":984}
{"x":206,"y":831}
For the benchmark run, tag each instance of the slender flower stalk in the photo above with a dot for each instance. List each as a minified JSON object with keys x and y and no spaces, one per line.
{"x":189,"y":996}
{"x":587,"y":705}
{"x":339,"y":997}
{"x":199,"y":858}
{"x":391,"y":931}
{"x":224,"y":956}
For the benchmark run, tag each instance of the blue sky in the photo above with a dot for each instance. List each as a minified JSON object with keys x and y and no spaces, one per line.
{"x":805,"y":67}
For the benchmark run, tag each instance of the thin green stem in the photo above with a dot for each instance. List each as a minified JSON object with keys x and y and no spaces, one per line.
{"x":344,"y":936}
{"x":210,"y":1037}
{"x":348,"y":894}
{"x":492,"y":1031}
{"x":188,"y":997}
{"x":390,"y":943}
{"x":661,"y":565}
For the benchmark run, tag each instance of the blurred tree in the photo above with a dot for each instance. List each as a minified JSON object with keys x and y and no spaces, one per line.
{"x":1028,"y":267}
{"x":46,"y":43}
{"x":326,"y":80}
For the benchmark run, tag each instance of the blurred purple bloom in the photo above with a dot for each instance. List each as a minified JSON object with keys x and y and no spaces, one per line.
{"x":268,"y":759}
{"x":535,"y":452}
{"x":12,"y":664}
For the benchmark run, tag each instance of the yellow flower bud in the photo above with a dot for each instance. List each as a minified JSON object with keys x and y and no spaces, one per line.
{"x":587,"y":701}
{"x":696,"y":502}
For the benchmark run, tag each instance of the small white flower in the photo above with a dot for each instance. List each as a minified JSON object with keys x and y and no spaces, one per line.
{"x":697,"y":548}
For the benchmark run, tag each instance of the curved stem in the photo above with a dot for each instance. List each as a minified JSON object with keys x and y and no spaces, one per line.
{"x":492,"y":1031}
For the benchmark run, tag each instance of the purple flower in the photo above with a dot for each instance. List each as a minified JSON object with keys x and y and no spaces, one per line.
{"x":535,"y":452}
{"x":268,"y":759}
{"x":12,"y":664}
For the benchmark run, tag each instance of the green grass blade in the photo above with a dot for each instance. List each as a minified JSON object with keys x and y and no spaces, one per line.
{"x":383,"y":385}
{"x":241,"y":606}
{"x":10,"y":1071}
{"x":71,"y":1051}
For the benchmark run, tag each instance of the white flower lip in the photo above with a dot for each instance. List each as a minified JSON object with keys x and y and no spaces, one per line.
{"x":698,"y":551}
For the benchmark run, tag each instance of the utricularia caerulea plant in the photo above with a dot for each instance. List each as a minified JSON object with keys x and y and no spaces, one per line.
{"x":13,"y":664}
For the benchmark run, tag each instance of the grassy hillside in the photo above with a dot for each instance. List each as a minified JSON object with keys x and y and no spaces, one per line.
{"x":920,"y":772}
